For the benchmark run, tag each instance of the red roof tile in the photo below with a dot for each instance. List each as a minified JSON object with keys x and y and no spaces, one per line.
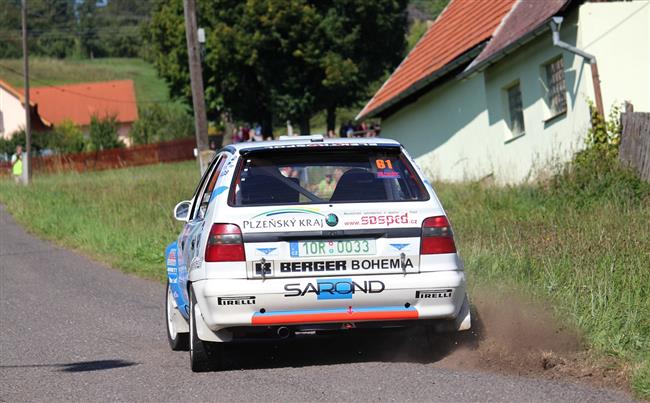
{"x":463,"y":25}
{"x":79,"y":102}
{"x":525,"y":17}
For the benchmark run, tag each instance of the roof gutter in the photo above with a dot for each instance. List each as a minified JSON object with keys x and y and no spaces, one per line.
{"x":418,"y":85}
{"x":555,"y":24}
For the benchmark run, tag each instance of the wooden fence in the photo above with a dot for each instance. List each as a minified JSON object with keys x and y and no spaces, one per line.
{"x":634,"y":150}
{"x":171,"y":151}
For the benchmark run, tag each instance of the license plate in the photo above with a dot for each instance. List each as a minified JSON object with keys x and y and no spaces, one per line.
{"x":333,"y":247}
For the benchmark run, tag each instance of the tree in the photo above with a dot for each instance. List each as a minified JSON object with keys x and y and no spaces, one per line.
{"x":10,"y":36}
{"x":158,"y":123}
{"x":67,"y":138}
{"x":263,"y":62}
{"x":119,"y":27}
{"x":282,"y":59}
{"x":431,"y":7}
{"x":103,"y":133}
{"x":89,"y":43}
{"x":363,"y":40}
{"x":50,"y":24}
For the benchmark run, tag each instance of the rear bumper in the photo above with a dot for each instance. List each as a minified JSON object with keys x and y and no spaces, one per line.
{"x":229,"y":303}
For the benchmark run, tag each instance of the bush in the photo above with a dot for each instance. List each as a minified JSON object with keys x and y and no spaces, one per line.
{"x":40,"y":141}
{"x":596,"y":173}
{"x":161,"y":123}
{"x":67,"y":138}
{"x":103,"y":133}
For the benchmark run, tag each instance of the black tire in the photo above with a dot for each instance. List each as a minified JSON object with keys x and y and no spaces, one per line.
{"x":177,"y":341}
{"x":204,"y":355}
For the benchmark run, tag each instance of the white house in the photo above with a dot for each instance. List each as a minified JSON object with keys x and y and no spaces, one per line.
{"x":12,"y":112}
{"x":486,"y":93}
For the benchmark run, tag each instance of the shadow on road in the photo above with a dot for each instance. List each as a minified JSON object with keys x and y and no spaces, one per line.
{"x":83,"y":366}
{"x":411,"y":345}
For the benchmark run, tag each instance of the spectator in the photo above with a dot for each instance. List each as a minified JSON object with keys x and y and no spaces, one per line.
{"x":17,"y":164}
{"x":236,"y":135}
{"x":349,"y":131}
{"x":289,"y":128}
{"x":362,"y":130}
{"x":326,"y":186}
{"x":343,"y":130}
{"x":375,"y":129}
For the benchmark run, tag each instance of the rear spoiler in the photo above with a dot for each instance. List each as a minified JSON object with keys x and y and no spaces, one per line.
{"x":321,"y":146}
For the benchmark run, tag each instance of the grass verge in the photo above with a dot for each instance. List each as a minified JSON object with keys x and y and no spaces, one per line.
{"x":581,"y":245}
{"x":122,"y":217}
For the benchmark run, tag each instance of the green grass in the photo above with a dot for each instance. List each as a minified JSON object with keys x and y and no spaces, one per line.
{"x":589,"y":264}
{"x":122,"y":217}
{"x":582,"y":246}
{"x":46,"y":71}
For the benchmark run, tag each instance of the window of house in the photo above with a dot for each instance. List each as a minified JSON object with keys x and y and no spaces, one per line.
{"x":515,"y":110}
{"x":555,"y":87}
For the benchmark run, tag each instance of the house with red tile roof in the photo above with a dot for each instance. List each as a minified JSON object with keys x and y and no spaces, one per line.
{"x":77,"y":103}
{"x":80,"y":102}
{"x":487,"y":93}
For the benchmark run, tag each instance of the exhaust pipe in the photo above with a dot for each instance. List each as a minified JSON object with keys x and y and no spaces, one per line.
{"x":283,"y":332}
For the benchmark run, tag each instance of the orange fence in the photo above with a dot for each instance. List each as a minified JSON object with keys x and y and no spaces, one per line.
{"x":171,"y":151}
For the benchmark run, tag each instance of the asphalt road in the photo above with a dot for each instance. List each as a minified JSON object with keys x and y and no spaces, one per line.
{"x":75,"y":330}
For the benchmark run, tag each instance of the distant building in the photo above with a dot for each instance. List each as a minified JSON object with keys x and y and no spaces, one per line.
{"x":486,"y":94}
{"x":12,"y":112}
{"x":74,"y":102}
{"x":80,"y":102}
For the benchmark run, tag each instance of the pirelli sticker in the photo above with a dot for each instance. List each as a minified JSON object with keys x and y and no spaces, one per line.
{"x":434,"y":293}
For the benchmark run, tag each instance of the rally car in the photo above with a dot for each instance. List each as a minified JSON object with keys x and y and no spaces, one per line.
{"x":308,"y":235}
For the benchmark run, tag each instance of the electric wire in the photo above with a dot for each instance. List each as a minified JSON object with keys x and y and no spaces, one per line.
{"x":66,"y":90}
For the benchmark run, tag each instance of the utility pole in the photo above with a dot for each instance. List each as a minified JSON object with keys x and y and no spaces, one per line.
{"x":196,"y":78}
{"x":27,"y":158}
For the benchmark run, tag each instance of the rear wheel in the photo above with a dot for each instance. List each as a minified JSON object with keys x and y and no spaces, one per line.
{"x":203,"y":355}
{"x":177,"y":341}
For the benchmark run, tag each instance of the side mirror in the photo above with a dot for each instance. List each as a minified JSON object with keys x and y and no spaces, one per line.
{"x":182,"y":211}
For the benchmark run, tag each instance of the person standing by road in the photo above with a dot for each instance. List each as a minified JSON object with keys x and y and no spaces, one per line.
{"x":17,"y":164}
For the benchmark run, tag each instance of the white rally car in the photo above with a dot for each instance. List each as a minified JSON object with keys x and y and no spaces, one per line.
{"x":304,"y":235}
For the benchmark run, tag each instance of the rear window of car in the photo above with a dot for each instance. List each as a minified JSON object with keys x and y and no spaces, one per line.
{"x":312,"y":175}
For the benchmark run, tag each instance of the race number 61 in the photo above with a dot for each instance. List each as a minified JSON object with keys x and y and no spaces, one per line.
{"x":383,"y":164}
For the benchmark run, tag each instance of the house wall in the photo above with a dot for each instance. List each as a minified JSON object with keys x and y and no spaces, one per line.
{"x":123,"y":131}
{"x":13,"y":114}
{"x":618,"y":34}
{"x":445,"y":131}
{"x":458,"y":131}
{"x":548,"y":140}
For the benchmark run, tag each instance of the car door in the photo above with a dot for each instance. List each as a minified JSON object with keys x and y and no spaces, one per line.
{"x":189,"y":238}
{"x":194,"y":229}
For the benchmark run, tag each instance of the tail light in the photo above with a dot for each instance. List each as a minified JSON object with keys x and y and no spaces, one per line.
{"x":225,"y":244}
{"x":437,"y":236}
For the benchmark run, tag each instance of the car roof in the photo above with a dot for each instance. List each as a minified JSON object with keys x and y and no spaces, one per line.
{"x":308,"y":140}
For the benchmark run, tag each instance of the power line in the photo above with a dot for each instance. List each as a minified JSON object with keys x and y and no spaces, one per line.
{"x":58,"y":88}
{"x":74,"y":32}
